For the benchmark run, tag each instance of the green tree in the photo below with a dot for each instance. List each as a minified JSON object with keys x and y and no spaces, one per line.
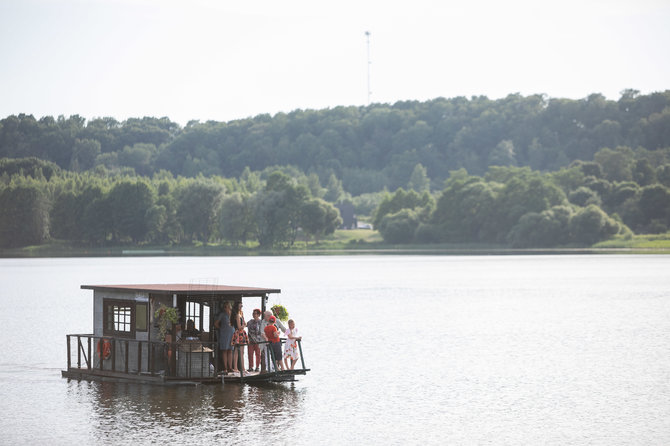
{"x":24,"y":219}
{"x":663,"y":174}
{"x":97,"y":222}
{"x":503,"y":154}
{"x":140,"y":157}
{"x":584,"y":196}
{"x":548,"y":228}
{"x":466,"y":210}
{"x":236,"y":219}
{"x":399,"y":227}
{"x":401,"y":199}
{"x":334,"y":190}
{"x":129,"y":202}
{"x":523,"y":194}
{"x":654,"y":204}
{"x":419,"y":180}
{"x":643,"y":172}
{"x":156,"y":220}
{"x":617,"y":164}
{"x":198,"y":205}
{"x":591,"y":225}
{"x":277,"y":210}
{"x":319,"y":218}
{"x":65,"y":216}
{"x":84,"y":154}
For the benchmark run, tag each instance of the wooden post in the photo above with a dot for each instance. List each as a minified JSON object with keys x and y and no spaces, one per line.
{"x":100,"y":355}
{"x":113,"y":355}
{"x":139,"y":357}
{"x":189,"y":362}
{"x":150,"y":367}
{"x":80,"y":351}
{"x":126,"y":358}
{"x":89,"y":362}
{"x":240,"y":361}
{"x":67,"y":337}
{"x":302,"y":359}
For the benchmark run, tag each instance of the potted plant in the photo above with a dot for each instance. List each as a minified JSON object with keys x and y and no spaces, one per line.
{"x":166,"y":316}
{"x":280,"y":311}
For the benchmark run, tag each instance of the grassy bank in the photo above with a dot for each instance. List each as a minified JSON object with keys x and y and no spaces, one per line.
{"x":359,"y":241}
{"x":652,"y":242}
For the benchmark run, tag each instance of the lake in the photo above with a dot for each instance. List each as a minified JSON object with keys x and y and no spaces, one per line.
{"x":566,"y":349}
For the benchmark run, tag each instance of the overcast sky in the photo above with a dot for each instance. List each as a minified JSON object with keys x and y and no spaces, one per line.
{"x":224,"y":60}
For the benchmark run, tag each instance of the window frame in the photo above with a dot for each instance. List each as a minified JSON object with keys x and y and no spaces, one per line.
{"x":108,"y":326}
{"x":146,"y":318}
{"x":194,"y":307}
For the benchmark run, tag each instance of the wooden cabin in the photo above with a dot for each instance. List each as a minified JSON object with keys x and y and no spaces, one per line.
{"x":134,"y":339}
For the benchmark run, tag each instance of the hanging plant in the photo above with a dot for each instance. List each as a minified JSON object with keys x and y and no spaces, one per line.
{"x":281,"y":312}
{"x":166,"y":316}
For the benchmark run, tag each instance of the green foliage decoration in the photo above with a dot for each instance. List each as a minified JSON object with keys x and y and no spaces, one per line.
{"x":166,"y":316}
{"x":280,"y":312}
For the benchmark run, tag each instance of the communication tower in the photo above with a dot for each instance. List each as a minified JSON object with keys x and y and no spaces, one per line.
{"x":367,"y":36}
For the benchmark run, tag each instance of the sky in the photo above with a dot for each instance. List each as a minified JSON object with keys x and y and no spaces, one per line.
{"x":225,"y":60}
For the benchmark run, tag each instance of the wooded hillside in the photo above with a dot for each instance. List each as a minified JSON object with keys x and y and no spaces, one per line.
{"x":521,"y":171}
{"x":367,"y":148}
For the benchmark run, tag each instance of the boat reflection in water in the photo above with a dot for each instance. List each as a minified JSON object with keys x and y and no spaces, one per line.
{"x":199,"y":414}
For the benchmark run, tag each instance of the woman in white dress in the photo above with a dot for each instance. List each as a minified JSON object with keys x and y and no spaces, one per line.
{"x":291,"y":349}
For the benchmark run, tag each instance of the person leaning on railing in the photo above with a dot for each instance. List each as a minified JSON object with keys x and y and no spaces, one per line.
{"x":272,"y":335}
{"x":265,"y":364}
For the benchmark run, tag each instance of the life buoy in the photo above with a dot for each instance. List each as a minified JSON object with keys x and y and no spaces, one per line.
{"x":104,"y":348}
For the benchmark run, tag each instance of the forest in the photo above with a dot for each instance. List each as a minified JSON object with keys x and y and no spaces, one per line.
{"x":519,"y":171}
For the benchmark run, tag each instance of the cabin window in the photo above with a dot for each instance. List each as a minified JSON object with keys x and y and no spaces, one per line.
{"x":199,"y":313}
{"x":119,"y":318}
{"x":141,"y":314}
{"x":193,"y":311}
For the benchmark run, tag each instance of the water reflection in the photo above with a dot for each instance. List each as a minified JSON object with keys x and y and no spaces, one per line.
{"x":200,"y":413}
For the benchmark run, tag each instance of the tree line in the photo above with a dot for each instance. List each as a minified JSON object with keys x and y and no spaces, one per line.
{"x":519,"y":207}
{"x":367,"y":148}
{"x":586,"y":202}
{"x":93,"y":209}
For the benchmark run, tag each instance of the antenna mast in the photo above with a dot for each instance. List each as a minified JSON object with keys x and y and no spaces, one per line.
{"x":367,"y":36}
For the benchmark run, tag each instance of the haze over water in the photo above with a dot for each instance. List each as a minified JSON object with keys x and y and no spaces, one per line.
{"x":403,"y":349}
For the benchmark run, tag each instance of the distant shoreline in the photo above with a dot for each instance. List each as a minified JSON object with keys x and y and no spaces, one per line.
{"x":43,"y":252}
{"x":342,"y":242}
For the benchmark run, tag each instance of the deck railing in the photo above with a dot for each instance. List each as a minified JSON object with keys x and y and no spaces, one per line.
{"x":184,"y":359}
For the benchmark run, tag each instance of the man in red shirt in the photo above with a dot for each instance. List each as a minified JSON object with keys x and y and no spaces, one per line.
{"x":272,"y":334}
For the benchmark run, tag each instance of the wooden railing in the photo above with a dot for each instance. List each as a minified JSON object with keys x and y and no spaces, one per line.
{"x":185,"y":359}
{"x":170,"y":359}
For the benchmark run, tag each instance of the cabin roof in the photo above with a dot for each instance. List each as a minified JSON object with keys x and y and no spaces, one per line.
{"x":188,"y":288}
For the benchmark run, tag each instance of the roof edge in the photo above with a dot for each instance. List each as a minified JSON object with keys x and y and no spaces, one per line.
{"x":185,"y":288}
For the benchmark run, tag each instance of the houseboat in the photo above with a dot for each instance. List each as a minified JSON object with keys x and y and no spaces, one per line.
{"x":136,"y":336}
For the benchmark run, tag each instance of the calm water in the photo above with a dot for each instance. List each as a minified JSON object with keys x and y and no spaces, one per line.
{"x":403,"y":349}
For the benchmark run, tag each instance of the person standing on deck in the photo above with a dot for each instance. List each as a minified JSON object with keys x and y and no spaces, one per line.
{"x":265,"y":352}
{"x":255,"y":338}
{"x":225,"y":337}
{"x":272,"y":334}
{"x":291,"y":349}
{"x":240,"y":337}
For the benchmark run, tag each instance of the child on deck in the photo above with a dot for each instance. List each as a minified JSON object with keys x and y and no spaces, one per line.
{"x":291,"y":349}
{"x":272,"y":334}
